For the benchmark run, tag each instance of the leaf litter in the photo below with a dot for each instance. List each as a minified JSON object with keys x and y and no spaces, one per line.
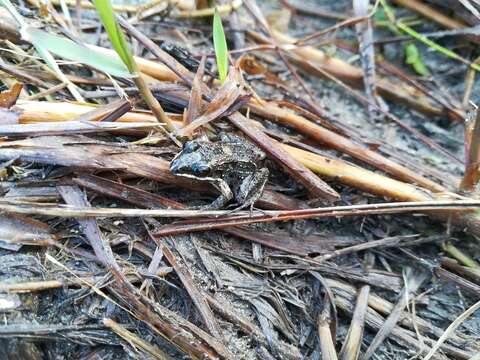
{"x":362,"y":245}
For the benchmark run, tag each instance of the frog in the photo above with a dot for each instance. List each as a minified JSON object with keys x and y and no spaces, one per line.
{"x":232,"y":165}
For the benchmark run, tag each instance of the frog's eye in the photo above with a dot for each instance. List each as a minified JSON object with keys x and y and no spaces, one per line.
{"x":200,"y":169}
{"x":190,"y":146}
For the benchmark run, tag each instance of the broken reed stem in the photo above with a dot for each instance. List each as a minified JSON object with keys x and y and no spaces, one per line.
{"x":470,"y":273}
{"x":133,"y":339}
{"x":351,"y":347}
{"x":42,"y":111}
{"x":325,"y":335}
{"x":32,"y":286}
{"x":358,"y":177}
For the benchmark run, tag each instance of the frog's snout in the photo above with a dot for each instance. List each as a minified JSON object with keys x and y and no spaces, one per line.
{"x":177,"y":165}
{"x":190,"y":164}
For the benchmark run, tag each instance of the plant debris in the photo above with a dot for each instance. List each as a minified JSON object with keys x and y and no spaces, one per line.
{"x":361,"y":244}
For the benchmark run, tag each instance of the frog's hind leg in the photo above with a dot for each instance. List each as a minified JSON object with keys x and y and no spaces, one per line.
{"x":225,"y":196}
{"x":251,"y":189}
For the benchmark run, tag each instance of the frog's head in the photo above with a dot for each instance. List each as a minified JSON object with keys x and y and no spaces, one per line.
{"x":190,"y":161}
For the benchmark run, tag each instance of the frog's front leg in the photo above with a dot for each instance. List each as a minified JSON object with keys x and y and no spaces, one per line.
{"x":225,"y":195}
{"x":251,"y":188}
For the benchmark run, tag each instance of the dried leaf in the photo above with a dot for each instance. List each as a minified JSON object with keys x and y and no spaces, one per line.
{"x":195,"y":101}
{"x":250,"y":65}
{"x":223,"y":101}
{"x":9,"y":98}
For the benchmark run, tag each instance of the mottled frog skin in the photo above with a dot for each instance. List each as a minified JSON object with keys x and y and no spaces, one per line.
{"x":231,"y":164}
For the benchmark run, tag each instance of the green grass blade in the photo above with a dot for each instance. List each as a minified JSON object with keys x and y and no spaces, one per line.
{"x":220,"y":45}
{"x":70,"y":50}
{"x":13,"y":11}
{"x":43,"y":52}
{"x":119,"y":43}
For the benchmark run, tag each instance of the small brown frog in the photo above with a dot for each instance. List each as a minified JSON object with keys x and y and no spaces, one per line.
{"x":230,"y":164}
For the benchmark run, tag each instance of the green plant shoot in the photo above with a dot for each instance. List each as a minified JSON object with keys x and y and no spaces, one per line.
{"x":413,"y":58}
{"x":117,"y":38}
{"x":220,"y":45}
{"x":70,"y":50}
{"x":120,"y":44}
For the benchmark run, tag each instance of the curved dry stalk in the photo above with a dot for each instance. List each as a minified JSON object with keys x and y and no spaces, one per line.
{"x":340,"y":143}
{"x":431,"y":13}
{"x":42,"y":111}
{"x":451,"y":328}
